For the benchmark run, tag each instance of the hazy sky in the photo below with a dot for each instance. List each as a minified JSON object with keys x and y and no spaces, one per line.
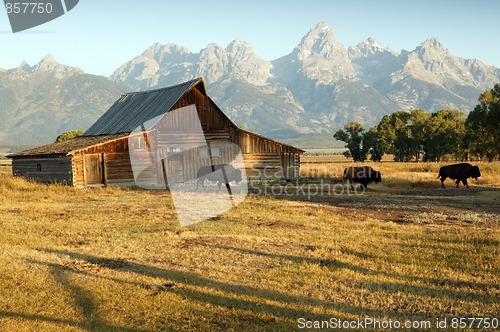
{"x":100,"y":35}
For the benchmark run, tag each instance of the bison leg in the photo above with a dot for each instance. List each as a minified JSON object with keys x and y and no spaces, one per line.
{"x":458,"y":181}
{"x":201,"y":182}
{"x":464,"y":181}
{"x":442,"y":181}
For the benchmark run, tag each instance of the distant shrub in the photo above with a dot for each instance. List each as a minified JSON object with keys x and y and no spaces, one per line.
{"x":69,"y":135}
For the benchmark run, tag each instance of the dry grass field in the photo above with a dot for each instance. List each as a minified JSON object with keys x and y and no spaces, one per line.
{"x":116,"y":259}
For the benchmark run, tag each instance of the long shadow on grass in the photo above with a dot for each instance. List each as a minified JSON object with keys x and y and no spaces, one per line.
{"x":74,"y":324}
{"x":391,"y":287}
{"x":189,"y":284}
{"x":82,"y":298}
{"x":58,"y":321}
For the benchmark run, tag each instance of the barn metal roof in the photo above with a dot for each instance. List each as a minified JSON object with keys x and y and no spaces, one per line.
{"x":135,"y":108}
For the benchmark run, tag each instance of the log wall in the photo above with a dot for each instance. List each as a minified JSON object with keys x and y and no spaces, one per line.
{"x":45,"y":170}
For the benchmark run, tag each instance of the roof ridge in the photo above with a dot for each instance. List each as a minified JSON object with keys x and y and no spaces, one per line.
{"x":190,"y":82}
{"x":134,"y":108}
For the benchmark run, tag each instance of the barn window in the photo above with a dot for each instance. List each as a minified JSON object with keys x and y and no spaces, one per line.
{"x":140,"y":143}
{"x":174,"y":149}
{"x":38,"y":167}
{"x":204,"y":152}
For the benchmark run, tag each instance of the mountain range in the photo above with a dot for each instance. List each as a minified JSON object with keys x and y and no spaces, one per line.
{"x":318,"y":87}
{"x":40,"y":102}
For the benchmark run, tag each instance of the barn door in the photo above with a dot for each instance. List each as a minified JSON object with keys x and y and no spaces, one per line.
{"x":175,"y":168}
{"x":94,"y":169}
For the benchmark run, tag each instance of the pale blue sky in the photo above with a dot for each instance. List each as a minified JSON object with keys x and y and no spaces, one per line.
{"x":100,"y":35}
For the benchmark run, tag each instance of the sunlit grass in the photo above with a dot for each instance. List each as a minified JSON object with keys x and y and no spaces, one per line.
{"x":408,"y":175}
{"x":116,"y":258}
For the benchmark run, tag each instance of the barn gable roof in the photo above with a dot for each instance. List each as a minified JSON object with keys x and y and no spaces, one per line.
{"x":135,"y":108}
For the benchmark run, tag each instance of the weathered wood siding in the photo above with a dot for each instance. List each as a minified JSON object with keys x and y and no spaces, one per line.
{"x":266,"y":159}
{"x":119,"y":169}
{"x":104,"y":164}
{"x":45,"y":170}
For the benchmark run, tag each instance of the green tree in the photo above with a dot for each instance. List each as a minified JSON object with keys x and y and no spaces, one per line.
{"x":483,"y":126}
{"x":69,"y":135}
{"x":444,"y":134}
{"x":417,"y":125}
{"x":395,"y":135}
{"x":352,"y":135}
{"x":373,"y":145}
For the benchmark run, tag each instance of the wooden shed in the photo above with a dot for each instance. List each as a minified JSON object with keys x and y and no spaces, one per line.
{"x":102,"y":155}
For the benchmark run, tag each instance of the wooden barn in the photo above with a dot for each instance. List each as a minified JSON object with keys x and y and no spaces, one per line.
{"x":102,"y":155}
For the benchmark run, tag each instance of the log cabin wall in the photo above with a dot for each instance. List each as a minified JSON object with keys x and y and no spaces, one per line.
{"x":266,"y":159}
{"x":44,"y":170}
{"x":103,"y":164}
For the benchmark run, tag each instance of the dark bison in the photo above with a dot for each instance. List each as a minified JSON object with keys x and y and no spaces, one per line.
{"x":459,"y":172}
{"x":220,"y":173}
{"x":362,"y":175}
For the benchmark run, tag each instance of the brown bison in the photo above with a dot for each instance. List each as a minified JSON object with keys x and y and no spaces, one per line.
{"x":459,"y":172}
{"x":220,"y":173}
{"x":362,"y":175}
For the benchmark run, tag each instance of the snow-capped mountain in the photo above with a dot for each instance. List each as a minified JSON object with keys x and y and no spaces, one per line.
{"x":319,"y":57}
{"x":320,"y":85}
{"x":372,"y":61}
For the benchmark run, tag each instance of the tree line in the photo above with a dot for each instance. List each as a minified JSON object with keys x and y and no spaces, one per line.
{"x":422,"y":136}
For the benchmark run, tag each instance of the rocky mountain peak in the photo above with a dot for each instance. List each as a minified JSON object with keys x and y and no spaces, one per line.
{"x":239,"y":44}
{"x":432,"y":43}
{"x":49,"y":64}
{"x":318,"y":41}
{"x":212,"y":54}
{"x":431,"y":49}
{"x":367,"y":48}
{"x":24,"y":66}
{"x":245,"y":64}
{"x":212,"y":63}
{"x":319,"y":56}
{"x":240,"y":49}
{"x":159,"y":51}
{"x":212,"y":47}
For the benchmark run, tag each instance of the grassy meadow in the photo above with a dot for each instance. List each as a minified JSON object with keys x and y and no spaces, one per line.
{"x":116,"y":259}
